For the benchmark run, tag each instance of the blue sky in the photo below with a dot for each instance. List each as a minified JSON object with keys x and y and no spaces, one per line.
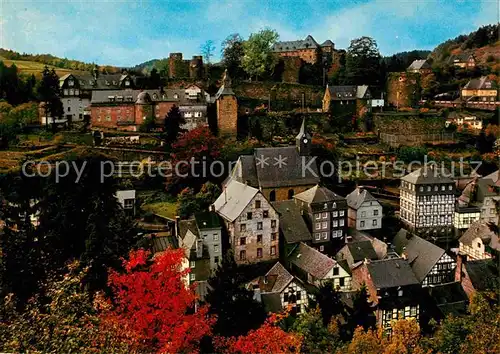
{"x":125,"y":32}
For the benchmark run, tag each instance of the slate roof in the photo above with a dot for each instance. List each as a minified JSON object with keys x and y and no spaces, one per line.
{"x":449,"y":298}
{"x":338,"y":93}
{"x":345,"y":266}
{"x":483,"y":274}
{"x":361,"y":250}
{"x":493,"y":176}
{"x":311,"y":261}
{"x":278,"y":278}
{"x":390,"y":273}
{"x":318,"y":194}
{"x":291,"y":46}
{"x":246,"y":167}
{"x":327,"y":43}
{"x":482,"y":83}
{"x":483,"y":231}
{"x":461,"y":57}
{"x":271,"y":175}
{"x":103,"y":81}
{"x":185,"y":225}
{"x":362,"y":91}
{"x":234,"y":199}
{"x":421,"y":254}
{"x":292,"y":224}
{"x":357,"y":197}
{"x":162,"y":243}
{"x":419,"y":64}
{"x":168,"y":95}
{"x":207,"y":220}
{"x":427,"y":175}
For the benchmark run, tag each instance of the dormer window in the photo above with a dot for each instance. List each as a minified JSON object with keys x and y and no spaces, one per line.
{"x":127,"y":83}
{"x":400,"y":292}
{"x":176,"y":96}
{"x":325,"y":205}
{"x":71,"y":83}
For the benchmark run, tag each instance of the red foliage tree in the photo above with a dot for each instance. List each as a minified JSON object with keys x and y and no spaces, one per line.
{"x":154,"y":307}
{"x":269,"y":338}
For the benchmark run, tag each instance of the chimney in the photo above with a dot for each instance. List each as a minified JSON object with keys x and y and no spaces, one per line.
{"x":404,"y":257}
{"x":461,"y":260}
{"x":177,"y":221}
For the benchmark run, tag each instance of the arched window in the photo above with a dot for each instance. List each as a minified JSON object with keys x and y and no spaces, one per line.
{"x":272,"y":196}
{"x":290,"y":193}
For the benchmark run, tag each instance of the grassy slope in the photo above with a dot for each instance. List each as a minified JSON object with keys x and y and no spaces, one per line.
{"x":32,"y":67}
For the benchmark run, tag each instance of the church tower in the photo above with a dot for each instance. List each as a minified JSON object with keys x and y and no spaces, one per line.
{"x":227,"y":108}
{"x":303,"y":140}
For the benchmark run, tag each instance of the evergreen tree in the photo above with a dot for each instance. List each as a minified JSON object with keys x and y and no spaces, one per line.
{"x":328,"y":300}
{"x":48,"y":92}
{"x":173,"y":122}
{"x":362,"y":311}
{"x":237,"y":312}
{"x":232,"y":55}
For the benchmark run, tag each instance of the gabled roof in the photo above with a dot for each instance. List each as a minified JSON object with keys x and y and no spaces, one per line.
{"x":363,"y":92}
{"x":483,"y":274}
{"x":357,"y":197}
{"x":427,"y":175}
{"x":421,"y":254}
{"x":338,"y":93}
{"x":327,"y":43}
{"x":290,"y":46}
{"x":270,"y":174}
{"x":318,"y":194}
{"x":303,"y":132}
{"x":278,"y":278}
{"x":233,"y":200}
{"x":361,"y":250}
{"x":207,"y":220}
{"x":482,"y":83}
{"x":225,"y":89}
{"x":419,"y":64}
{"x":132,"y":96}
{"x":485,"y":231}
{"x":390,"y":273}
{"x":493,"y":176}
{"x":311,"y":261}
{"x":292,"y":224}
{"x":461,"y":57}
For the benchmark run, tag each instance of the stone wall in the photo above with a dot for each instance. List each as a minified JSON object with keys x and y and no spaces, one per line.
{"x":408,"y":123}
{"x":282,"y":91}
{"x":227,"y":115}
{"x":291,"y":69}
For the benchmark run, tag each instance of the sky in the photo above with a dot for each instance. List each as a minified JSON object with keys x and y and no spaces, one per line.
{"x":126,"y":32}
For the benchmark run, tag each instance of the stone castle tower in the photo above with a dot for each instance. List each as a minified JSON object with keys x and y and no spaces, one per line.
{"x":227,"y":108}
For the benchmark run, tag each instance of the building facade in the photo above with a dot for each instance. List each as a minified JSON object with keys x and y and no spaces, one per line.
{"x":226,"y":108}
{"x":482,"y":89}
{"x":479,"y":242}
{"x":308,"y":49}
{"x":428,"y":203}
{"x":364,"y":211}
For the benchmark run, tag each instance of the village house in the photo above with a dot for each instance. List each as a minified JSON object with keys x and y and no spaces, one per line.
{"x":128,"y":109}
{"x":365,"y":212}
{"x":126,"y":199}
{"x":252,"y":223}
{"x":480,"y":241}
{"x":197,"y":258}
{"x":351,"y":99}
{"x":308,"y":49}
{"x":477,"y":275}
{"x":430,"y":263}
{"x":316,"y":268}
{"x":326,"y":213}
{"x":279,"y":172}
{"x":428,"y":203}
{"x":482,"y":89}
{"x":293,"y":228}
{"x":461,"y":120}
{"x":463,"y":60}
{"x":420,"y":66}
{"x":357,"y":251}
{"x":392,"y":287}
{"x":279,"y":289}
{"x":483,"y":194}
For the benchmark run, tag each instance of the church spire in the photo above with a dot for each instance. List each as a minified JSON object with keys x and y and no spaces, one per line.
{"x":303,"y":140}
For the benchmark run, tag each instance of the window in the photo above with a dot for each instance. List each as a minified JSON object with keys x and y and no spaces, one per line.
{"x":259,"y":238}
{"x":216,"y":237}
{"x":336,"y":271}
{"x":128,"y":203}
{"x":259,"y":225}
{"x":325,"y":215}
{"x":243,"y":227}
{"x":341,"y":222}
{"x":400,"y":292}
{"x":341,"y":282}
{"x":362,"y":224}
{"x":335,"y":223}
{"x":243,"y":241}
{"x":479,"y":245}
{"x":374,"y":222}
{"x":339,"y":233}
{"x":325,"y":205}
{"x":317,"y":216}
{"x":317,"y":236}
{"x":324,"y":225}
{"x":435,"y":188}
{"x":272,"y":196}
{"x":428,"y":188}
{"x":249,"y":216}
{"x":335,"y":214}
{"x":450,"y":187}
{"x":216,"y":248}
{"x":318,"y":226}
{"x":442,"y":188}
{"x":274,"y":236}
{"x":363,"y":214}
{"x":257,"y":204}
{"x":192,"y":264}
{"x":216,"y":259}
{"x":325,"y":235}
{"x":265,"y":214}
{"x":375,"y":212}
{"x":341,"y":213}
{"x":259,"y":252}
{"x":421,"y":189}
{"x":243,"y":255}
{"x":334,"y":234}
{"x":321,"y":248}
{"x":273,"y":250}
{"x":192,"y":277}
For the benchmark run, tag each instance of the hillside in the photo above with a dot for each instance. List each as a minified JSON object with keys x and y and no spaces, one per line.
{"x":28,"y":67}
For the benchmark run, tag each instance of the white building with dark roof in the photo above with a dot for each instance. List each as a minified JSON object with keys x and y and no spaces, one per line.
{"x":480,"y":241}
{"x":365,"y":211}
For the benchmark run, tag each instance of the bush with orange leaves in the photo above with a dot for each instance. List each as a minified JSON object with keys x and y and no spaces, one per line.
{"x":268,"y":338}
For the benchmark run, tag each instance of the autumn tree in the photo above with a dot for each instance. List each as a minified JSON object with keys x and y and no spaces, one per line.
{"x":362,"y":62}
{"x":236,"y":310}
{"x":65,"y":320}
{"x":154,"y":306}
{"x":232,"y":55}
{"x":268,"y":338}
{"x":258,"y":58}
{"x":189,"y":203}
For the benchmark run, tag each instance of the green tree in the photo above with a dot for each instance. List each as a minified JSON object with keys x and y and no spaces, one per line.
{"x":237,"y":312}
{"x":328,"y":300}
{"x":362,"y":311}
{"x":190,"y":203}
{"x":48,"y":92}
{"x":173,"y":122}
{"x":258,"y":58}
{"x":362,"y":62}
{"x":232,"y":55}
